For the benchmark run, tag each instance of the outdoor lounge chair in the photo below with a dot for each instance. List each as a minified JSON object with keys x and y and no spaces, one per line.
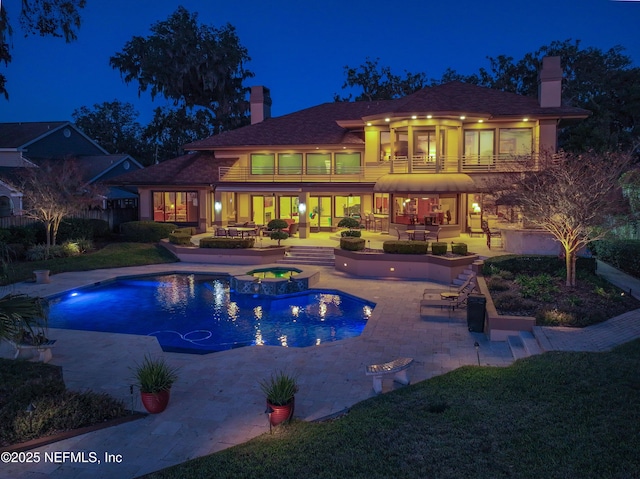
{"x":450,"y":303}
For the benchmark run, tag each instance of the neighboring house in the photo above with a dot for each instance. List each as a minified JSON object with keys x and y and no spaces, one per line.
{"x":422,"y":158}
{"x":28,"y":144}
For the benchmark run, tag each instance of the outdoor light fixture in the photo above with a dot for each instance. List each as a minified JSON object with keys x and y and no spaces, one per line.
{"x":302,"y":208}
{"x":413,"y":117}
{"x":217,"y":206}
{"x":429,"y":116}
{"x":463,"y":117}
{"x":387,"y":119}
{"x":392,"y":269}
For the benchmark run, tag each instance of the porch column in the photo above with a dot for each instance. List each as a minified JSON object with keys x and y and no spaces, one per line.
{"x":217,"y":208}
{"x":204,"y":212}
{"x":410,"y":148}
{"x":304,"y":229}
{"x":440,"y":160}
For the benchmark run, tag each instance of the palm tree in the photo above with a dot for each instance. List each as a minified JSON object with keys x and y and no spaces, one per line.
{"x":20,"y":313}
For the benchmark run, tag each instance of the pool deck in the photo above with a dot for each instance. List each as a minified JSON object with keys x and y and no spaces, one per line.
{"x":217,"y":402}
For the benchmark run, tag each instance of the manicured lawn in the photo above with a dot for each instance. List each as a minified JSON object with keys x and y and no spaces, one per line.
{"x":558,"y":415}
{"x":114,"y":255}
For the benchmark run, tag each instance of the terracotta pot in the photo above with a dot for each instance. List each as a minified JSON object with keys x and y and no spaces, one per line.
{"x":281,"y":414}
{"x":156,"y":402}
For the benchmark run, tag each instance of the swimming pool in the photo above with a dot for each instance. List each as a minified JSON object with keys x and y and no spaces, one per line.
{"x":198,"y":314}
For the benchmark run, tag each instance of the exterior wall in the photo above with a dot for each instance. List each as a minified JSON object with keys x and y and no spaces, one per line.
{"x":146,"y":204}
{"x":12,"y":158}
{"x":119,"y":170}
{"x":548,"y":136}
{"x":57,"y":145}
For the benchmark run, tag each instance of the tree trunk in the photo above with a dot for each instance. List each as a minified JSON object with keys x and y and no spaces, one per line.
{"x":570,"y":263}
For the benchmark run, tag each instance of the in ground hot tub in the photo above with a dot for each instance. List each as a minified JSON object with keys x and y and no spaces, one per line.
{"x":273,"y":281}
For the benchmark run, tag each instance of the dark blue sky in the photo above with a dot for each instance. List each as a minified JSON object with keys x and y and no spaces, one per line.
{"x":299,"y":48}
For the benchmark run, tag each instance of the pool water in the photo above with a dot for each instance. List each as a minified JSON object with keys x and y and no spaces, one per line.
{"x":196,"y":314}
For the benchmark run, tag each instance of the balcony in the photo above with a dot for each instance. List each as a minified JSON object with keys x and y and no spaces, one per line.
{"x":370,"y":172}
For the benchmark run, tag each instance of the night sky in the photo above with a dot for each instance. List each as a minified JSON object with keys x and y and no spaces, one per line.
{"x":299,"y":48}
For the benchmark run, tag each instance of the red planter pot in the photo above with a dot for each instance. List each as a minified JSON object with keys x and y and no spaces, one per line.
{"x":156,"y":402}
{"x":281,"y":414}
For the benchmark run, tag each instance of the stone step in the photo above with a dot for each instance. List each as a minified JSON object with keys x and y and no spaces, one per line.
{"x":530,"y":343}
{"x":295,"y":260}
{"x":517,"y":347}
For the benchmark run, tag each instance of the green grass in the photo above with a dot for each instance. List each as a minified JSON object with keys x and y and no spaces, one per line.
{"x":56,"y":409}
{"x":558,"y":415}
{"x":114,"y":255}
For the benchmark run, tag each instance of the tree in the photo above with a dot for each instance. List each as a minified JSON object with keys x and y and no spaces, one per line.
{"x":191,"y":64}
{"x":55,"y":190}
{"x":56,"y":18}
{"x":379,"y":83}
{"x":572,"y":196}
{"x":113,"y":126}
{"x":171,"y":129}
{"x":603,"y":82}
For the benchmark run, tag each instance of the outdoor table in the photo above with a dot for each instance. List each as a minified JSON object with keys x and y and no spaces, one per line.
{"x":242,"y":230}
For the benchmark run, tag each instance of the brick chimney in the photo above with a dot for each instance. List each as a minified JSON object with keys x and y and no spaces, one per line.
{"x":260,"y":100}
{"x":550,"y":83}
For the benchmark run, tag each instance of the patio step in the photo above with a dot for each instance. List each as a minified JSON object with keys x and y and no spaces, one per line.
{"x":315,"y":255}
{"x":463,"y":277}
{"x":523,"y":345}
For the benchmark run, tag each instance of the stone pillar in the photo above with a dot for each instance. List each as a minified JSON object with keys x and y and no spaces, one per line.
{"x":304,"y":229}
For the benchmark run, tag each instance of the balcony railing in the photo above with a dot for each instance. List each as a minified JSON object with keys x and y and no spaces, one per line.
{"x":370,"y":172}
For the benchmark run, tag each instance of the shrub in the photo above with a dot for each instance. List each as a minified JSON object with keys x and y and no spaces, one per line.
{"x":405,"y":247}
{"x":511,"y":301}
{"x":38,"y":252}
{"x":349,"y":222}
{"x":180,"y":238}
{"x":146,"y":231}
{"x":459,"y":248}
{"x":439,"y":248}
{"x":27,"y":236}
{"x":70,"y":248}
{"x":83,"y":228}
{"x":541,"y":286}
{"x":352,"y":244}
{"x":554,"y":317}
{"x":227,"y":243}
{"x":496,"y":283}
{"x":351,"y":233}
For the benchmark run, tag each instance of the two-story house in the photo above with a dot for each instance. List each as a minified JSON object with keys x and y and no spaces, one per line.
{"x":29,"y":144}
{"x":422,"y":158}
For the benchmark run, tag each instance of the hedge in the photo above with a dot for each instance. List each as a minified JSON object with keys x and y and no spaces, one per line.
{"x":227,"y":243}
{"x":536,"y":264}
{"x":405,"y":247}
{"x":146,"y":231}
{"x":351,"y":244}
{"x":459,"y":248}
{"x":180,"y":238}
{"x":439,"y":248}
{"x":74,"y":228}
{"x":351,"y":233}
{"x":621,"y":254}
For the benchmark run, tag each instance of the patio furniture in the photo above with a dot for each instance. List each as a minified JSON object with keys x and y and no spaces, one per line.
{"x":221,"y":232}
{"x":450,"y":302}
{"x":402,"y":235}
{"x":42,"y":350}
{"x":397,"y":367}
{"x":232,"y":232}
{"x":433,"y":235}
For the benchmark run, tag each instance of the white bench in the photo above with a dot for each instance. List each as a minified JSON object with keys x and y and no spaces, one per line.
{"x":43,"y":350}
{"x":398,"y":367}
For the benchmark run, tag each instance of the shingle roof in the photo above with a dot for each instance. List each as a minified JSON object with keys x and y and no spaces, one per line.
{"x":467,"y":98}
{"x":312,"y":126}
{"x":200,"y":168}
{"x":318,"y":125}
{"x":15,"y":135}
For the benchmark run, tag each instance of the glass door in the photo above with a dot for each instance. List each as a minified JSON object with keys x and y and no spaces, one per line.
{"x":320,"y":213}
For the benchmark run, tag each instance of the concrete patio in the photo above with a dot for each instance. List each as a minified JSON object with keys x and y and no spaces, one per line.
{"x":217,"y":403}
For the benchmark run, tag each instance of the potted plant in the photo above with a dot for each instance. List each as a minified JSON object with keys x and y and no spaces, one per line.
{"x":280,"y":390}
{"x":155,"y":378}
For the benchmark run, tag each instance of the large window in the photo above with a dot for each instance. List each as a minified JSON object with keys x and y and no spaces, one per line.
{"x":347,"y":206}
{"x":175,"y":206}
{"x":290,"y":163}
{"x":347,"y":163}
{"x":385,"y":145}
{"x":263,"y":164}
{"x":288,"y":207}
{"x":425,"y":144}
{"x":479,"y":146}
{"x":318,"y":163}
{"x":516,"y":141}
